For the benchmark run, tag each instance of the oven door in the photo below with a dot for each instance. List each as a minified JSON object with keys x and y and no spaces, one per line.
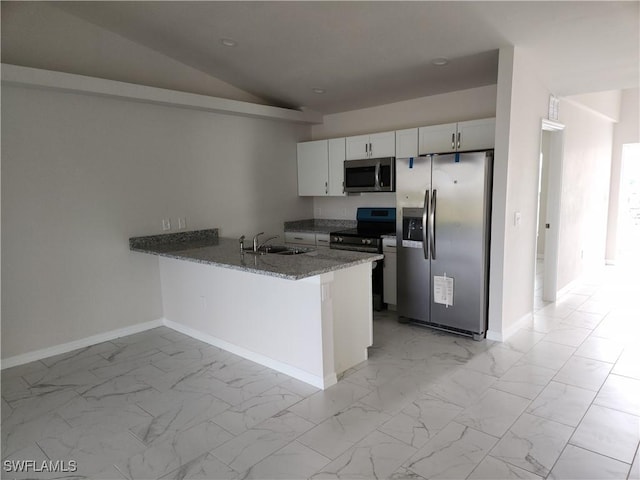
{"x":369,"y":175}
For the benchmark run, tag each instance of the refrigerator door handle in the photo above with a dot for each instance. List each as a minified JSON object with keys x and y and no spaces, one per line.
{"x":425,"y":244}
{"x":432,"y":221}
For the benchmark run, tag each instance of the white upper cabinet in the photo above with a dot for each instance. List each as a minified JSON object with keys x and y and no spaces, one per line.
{"x":457,"y":137}
{"x":477,"y":134}
{"x":336,"y":167}
{"x":357,"y":147}
{"x":321,"y":167}
{"x":407,"y":143}
{"x":375,"y":145}
{"x":437,"y":138}
{"x":313,"y":171}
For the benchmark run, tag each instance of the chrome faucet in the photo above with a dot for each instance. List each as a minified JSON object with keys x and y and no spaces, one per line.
{"x":265,"y":242}
{"x":241,"y":240}
{"x":255,"y":241}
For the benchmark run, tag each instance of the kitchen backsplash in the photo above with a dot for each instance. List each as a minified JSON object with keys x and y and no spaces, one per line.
{"x":346,"y":207}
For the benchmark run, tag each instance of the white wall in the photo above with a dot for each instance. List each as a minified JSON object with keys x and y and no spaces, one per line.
{"x":522,"y":101}
{"x":82,"y":174}
{"x":468,"y":104}
{"x":588,"y":140}
{"x":445,"y":108}
{"x":626,"y":131}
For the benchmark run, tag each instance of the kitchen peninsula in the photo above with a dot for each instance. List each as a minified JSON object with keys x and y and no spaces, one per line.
{"x":306,"y":315}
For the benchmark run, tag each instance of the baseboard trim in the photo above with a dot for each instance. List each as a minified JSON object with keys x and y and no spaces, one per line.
{"x":504,"y":336}
{"x":76,"y":344}
{"x":294,"y":372}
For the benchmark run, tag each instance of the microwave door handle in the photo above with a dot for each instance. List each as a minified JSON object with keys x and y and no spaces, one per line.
{"x":425,"y":243}
{"x":377,"y":180}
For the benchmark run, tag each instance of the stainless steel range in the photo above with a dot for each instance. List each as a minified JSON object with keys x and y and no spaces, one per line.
{"x":372,"y":224}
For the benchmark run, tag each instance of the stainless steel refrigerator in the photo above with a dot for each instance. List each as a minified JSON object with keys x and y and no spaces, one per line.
{"x":443,"y":223}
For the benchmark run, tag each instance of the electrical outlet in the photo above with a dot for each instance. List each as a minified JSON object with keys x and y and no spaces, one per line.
{"x":517,"y":218}
{"x":182,"y":223}
{"x":166,"y":224}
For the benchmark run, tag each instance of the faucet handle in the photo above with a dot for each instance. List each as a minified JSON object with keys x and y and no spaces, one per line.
{"x":241,"y":240}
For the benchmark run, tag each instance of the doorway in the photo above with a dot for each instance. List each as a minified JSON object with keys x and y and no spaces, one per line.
{"x":549,"y":198}
{"x":628,"y":234}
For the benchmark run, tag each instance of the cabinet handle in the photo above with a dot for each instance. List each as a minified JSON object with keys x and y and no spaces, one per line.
{"x":453,"y":141}
{"x":326,"y":187}
{"x":366,"y":149}
{"x":370,"y":149}
{"x":459,"y":139}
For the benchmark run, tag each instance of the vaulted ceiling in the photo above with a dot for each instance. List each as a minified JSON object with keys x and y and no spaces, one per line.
{"x":360,"y":53}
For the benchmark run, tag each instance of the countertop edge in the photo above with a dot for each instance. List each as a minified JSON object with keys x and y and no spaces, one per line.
{"x":244,"y":268}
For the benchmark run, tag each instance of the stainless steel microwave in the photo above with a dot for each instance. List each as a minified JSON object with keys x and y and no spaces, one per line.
{"x":370,"y":175}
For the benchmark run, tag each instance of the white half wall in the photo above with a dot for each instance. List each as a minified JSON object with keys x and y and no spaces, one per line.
{"x":81,"y":174}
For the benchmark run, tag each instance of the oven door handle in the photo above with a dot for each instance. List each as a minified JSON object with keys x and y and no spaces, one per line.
{"x":425,"y":243}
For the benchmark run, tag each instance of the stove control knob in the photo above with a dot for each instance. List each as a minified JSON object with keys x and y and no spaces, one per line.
{"x":366,"y":241}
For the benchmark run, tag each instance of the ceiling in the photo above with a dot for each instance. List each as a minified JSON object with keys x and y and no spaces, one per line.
{"x":361,"y":53}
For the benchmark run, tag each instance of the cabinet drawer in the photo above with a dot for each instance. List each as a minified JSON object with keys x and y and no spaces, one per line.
{"x":322,"y":240}
{"x":300,"y":238}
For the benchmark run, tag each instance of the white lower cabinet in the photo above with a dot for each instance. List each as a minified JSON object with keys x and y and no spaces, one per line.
{"x":322,"y":240}
{"x":300,"y":238}
{"x":307,"y":239}
{"x":389,"y":273}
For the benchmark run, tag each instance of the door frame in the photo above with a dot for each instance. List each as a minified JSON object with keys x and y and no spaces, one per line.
{"x":554,"y":200}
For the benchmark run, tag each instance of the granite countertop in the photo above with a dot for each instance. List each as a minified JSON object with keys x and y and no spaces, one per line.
{"x":316,"y":225}
{"x":204,"y":246}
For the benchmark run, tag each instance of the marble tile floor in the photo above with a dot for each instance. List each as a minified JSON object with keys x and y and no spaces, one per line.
{"x":559,"y":400}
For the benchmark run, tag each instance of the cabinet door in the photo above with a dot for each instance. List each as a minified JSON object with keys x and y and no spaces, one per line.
{"x":300,"y":238}
{"x":437,"y":139}
{"x":313,"y":168}
{"x":407,"y":143}
{"x":336,"y":166}
{"x":477,"y":134}
{"x":382,"y":144}
{"x":357,"y":147}
{"x":322,"y":240}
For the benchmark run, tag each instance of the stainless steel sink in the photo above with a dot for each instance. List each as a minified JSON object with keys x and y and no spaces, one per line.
{"x":295,"y":251}
{"x":279,"y":250}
